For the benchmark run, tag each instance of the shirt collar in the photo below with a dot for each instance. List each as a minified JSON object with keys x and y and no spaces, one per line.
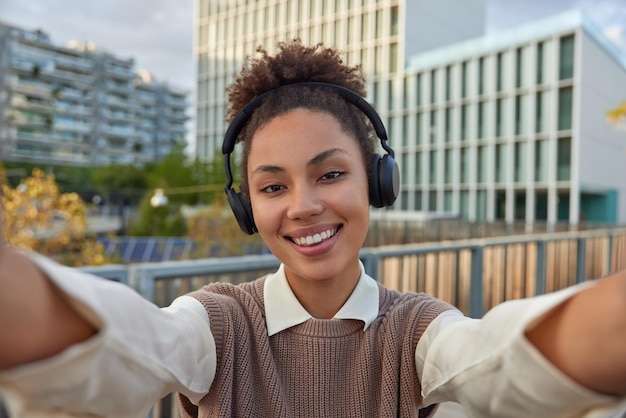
{"x":283,"y":310}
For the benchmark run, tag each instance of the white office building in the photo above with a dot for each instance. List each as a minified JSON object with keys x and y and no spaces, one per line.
{"x":78,"y":105}
{"x":502,"y":126}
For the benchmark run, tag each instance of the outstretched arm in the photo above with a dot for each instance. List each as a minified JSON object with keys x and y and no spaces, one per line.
{"x":585,"y":337}
{"x":135,"y":353}
{"x":36,"y":320}
{"x":559,"y":354}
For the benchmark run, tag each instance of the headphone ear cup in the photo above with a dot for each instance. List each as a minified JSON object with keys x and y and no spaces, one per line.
{"x":389,"y":180}
{"x":385,"y":183}
{"x":242,"y":210}
{"x":374,"y":188}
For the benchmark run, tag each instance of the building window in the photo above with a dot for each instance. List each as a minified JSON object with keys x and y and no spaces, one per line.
{"x":482,"y":164}
{"x":481,"y":75}
{"x":405,"y":93}
{"x":519,"y":66}
{"x":481,"y":205}
{"x":500,"y":205}
{"x":566,"y":57}
{"x":499,"y":72}
{"x":379,"y":24}
{"x":499,"y":112}
{"x":464,"y":166}
{"x":393,"y":58}
{"x":406,"y":167}
{"x":418,"y":200}
{"x":520,"y":162}
{"x":378,"y":56}
{"x":541,"y":160}
{"x":564,"y":159}
{"x":464,"y":204}
{"x":520,"y":115}
{"x":448,"y":124}
{"x":390,"y":104}
{"x":539,"y":124}
{"x":432,"y":126}
{"x":500,"y":163}
{"x":433,"y":86}
{"x":432,"y":201}
{"x":448,"y":82}
{"x":432,"y":167}
{"x":448,"y":166}
{"x":418,"y":128}
{"x":394,"y":21}
{"x":447,"y":201}
{"x":418,"y":168}
{"x":565,"y":108}
{"x":539,"y":71}
{"x":464,"y":81}
{"x":364,"y":25}
{"x":464,"y":124}
{"x":405,"y":130}
{"x":418,"y":89}
{"x":520,"y":205}
{"x":481,"y":119}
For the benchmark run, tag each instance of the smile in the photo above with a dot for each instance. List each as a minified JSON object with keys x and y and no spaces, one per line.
{"x":316,"y":238}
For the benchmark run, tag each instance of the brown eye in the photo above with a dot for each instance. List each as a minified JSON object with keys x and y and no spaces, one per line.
{"x":272,"y":189}
{"x":332,"y":175}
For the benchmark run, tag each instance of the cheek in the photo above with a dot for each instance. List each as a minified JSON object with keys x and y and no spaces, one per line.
{"x":266,"y":217}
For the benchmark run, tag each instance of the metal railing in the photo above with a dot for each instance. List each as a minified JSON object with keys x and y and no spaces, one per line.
{"x":590,"y":254}
{"x":472,"y":275}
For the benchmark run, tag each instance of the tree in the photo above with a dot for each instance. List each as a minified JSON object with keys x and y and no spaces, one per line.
{"x":162,"y":221}
{"x":217,"y":233}
{"x":121,"y":184}
{"x":617,"y":116}
{"x":37,"y":216}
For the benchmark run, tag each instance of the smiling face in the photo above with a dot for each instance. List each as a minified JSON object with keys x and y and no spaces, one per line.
{"x":309,"y":195}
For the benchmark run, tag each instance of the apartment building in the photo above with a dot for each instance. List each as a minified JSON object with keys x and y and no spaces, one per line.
{"x":486,"y":126}
{"x":78,"y":105}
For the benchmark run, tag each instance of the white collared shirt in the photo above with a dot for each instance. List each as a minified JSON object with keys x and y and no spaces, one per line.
{"x":283,"y":310}
{"x":487,"y":365}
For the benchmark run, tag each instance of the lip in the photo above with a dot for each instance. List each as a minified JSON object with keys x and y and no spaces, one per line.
{"x":315,"y":248}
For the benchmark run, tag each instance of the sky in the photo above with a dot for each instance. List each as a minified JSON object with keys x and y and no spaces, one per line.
{"x":158,"y":34}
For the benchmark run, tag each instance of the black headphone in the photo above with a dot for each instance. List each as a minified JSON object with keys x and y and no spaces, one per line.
{"x":385,"y":184}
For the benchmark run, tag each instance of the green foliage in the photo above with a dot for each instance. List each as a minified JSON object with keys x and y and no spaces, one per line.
{"x":164,"y":221}
{"x":217,"y":233}
{"x":121,"y":183}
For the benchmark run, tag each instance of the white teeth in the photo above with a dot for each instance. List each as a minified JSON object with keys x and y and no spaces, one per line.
{"x":315,"y":239}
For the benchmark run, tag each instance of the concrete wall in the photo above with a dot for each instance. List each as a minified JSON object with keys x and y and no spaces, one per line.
{"x":602,"y":146}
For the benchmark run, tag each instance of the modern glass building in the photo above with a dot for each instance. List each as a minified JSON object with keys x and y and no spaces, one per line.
{"x":502,"y":126}
{"x":80,"y":106}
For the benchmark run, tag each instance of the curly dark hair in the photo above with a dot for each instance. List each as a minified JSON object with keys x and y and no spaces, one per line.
{"x":292,"y":64}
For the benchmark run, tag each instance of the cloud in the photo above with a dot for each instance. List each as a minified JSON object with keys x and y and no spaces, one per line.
{"x":615,"y":33}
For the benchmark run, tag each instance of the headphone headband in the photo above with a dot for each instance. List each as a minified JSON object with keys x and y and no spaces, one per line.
{"x":230,"y":138}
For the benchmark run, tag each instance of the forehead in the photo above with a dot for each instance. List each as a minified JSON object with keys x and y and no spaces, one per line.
{"x":299,"y":133}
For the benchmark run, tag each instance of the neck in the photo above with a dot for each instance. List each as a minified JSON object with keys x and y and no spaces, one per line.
{"x":323,"y":298}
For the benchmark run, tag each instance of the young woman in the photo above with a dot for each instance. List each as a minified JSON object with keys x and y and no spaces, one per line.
{"x":319,"y":337}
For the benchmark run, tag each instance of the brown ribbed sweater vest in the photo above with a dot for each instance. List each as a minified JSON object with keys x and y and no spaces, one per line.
{"x":321,"y":368}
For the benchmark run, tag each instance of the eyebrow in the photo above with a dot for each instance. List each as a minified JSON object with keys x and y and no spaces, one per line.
{"x":268,"y":168}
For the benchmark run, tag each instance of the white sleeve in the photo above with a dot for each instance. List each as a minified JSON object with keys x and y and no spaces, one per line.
{"x":490,"y":368}
{"x":139,"y":354}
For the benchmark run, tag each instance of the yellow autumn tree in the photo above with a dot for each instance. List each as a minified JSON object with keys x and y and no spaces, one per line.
{"x":617,"y":116}
{"x":37,"y":216}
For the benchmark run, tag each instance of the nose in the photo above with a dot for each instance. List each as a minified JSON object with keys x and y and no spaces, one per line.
{"x":304,"y":202}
